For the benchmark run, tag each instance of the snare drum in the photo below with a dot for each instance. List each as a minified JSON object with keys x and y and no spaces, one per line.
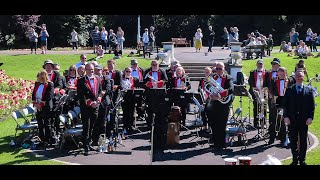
{"x":244,"y":160}
{"x":230,"y":161}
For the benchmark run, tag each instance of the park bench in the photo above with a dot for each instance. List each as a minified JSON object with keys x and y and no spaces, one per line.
{"x":254,"y":49}
{"x":147,"y":51}
{"x":181,"y":41}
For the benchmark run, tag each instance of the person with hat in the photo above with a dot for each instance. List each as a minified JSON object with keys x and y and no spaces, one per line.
{"x":257,"y":81}
{"x":198,"y":39}
{"x":89,"y":92}
{"x":104,"y":106}
{"x":278,"y":89}
{"x":300,"y":66}
{"x":271,"y":76}
{"x":138,"y":72}
{"x":53,"y":76}
{"x":299,"y":107}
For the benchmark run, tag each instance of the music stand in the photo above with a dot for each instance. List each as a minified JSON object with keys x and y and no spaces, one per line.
{"x":240,"y":90}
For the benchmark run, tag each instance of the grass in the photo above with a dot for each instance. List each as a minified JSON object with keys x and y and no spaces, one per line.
{"x":26,"y":67}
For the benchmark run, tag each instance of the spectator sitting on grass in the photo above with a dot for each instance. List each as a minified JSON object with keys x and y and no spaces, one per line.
{"x":100,"y":52}
{"x":300,"y":66}
{"x":283,"y":46}
{"x":303,"y":51}
{"x":117,"y":53}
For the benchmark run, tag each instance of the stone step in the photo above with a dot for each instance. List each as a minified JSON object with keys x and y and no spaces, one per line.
{"x":194,"y":67}
{"x":196,"y":74}
{"x":196,"y":64}
{"x":194,"y":70}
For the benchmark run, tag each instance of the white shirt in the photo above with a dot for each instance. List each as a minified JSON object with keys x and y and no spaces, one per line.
{"x":258,"y":85}
{"x":178,"y":82}
{"x":219,"y":80}
{"x":110,"y":74}
{"x":282,"y":87}
{"x":79,"y":64}
{"x":39,"y":93}
{"x":274,"y":74}
{"x":91,"y":83}
{"x":71,"y":80}
{"x":145,"y":37}
{"x":135,"y":73}
{"x":198,"y":36}
{"x":155,"y":75}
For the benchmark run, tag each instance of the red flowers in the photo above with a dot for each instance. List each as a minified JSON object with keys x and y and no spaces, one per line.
{"x":14,"y":93}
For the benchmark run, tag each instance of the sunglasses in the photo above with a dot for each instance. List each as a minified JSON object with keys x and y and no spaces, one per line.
{"x":72,"y":70}
{"x":154,"y":64}
{"x":83,"y":58}
{"x":274,"y":63}
{"x":89,"y":69}
{"x":128,"y":71}
{"x":218,"y":68}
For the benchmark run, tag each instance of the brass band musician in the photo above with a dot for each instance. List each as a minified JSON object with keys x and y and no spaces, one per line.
{"x":257,"y":81}
{"x":278,"y":89}
{"x":207,"y":72}
{"x":179,"y":82}
{"x":218,"y":112}
{"x":128,"y":83}
{"x":155,"y":80}
{"x":272,"y":75}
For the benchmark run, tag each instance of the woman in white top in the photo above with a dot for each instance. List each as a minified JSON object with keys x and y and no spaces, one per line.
{"x":74,"y":39}
{"x":120,"y":38}
{"x":308,"y":38}
{"x":198,"y":39}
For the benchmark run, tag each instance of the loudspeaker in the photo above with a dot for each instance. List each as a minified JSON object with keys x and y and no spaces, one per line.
{"x":240,"y":78}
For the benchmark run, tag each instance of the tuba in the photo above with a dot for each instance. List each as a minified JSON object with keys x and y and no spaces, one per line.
{"x":212,"y":87}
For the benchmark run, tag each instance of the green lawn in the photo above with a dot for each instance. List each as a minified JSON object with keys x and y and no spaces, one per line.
{"x":26,"y":67}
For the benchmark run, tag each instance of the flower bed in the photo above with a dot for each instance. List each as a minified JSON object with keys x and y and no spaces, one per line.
{"x":14,"y":93}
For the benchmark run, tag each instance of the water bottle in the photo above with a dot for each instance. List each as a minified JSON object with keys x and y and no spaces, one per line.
{"x":227,"y":138}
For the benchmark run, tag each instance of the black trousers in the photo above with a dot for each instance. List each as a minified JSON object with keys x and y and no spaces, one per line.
{"x":298,"y":129}
{"x":218,"y":114}
{"x":74,"y":45}
{"x":128,"y":111}
{"x":104,"y":44}
{"x":210,"y":44}
{"x":111,"y":123}
{"x":100,"y":125}
{"x":140,"y":106}
{"x":89,"y":116}
{"x":158,"y":110}
{"x":33,"y":46}
{"x":45,"y":125}
{"x":276,"y":123}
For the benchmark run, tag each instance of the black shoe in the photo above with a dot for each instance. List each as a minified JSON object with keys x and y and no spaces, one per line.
{"x":294,"y":163}
{"x":302,"y":163}
{"x":271,"y":141}
{"x":86,"y":152}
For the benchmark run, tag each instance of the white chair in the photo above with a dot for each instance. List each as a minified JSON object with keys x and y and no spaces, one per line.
{"x":27,"y":111}
{"x":69,"y":131}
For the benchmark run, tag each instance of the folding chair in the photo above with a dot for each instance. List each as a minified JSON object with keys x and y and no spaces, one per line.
{"x":239,"y":130}
{"x":234,"y":118}
{"x":17,"y":115}
{"x":27,"y":111}
{"x":69,"y":131}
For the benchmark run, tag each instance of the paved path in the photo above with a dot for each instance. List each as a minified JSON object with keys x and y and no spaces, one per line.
{"x":137,"y":149}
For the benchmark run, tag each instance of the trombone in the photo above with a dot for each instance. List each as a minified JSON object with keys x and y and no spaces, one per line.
{"x":279,"y":119}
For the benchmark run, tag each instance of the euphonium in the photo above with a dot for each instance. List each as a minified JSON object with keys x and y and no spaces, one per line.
{"x":212,"y":87}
